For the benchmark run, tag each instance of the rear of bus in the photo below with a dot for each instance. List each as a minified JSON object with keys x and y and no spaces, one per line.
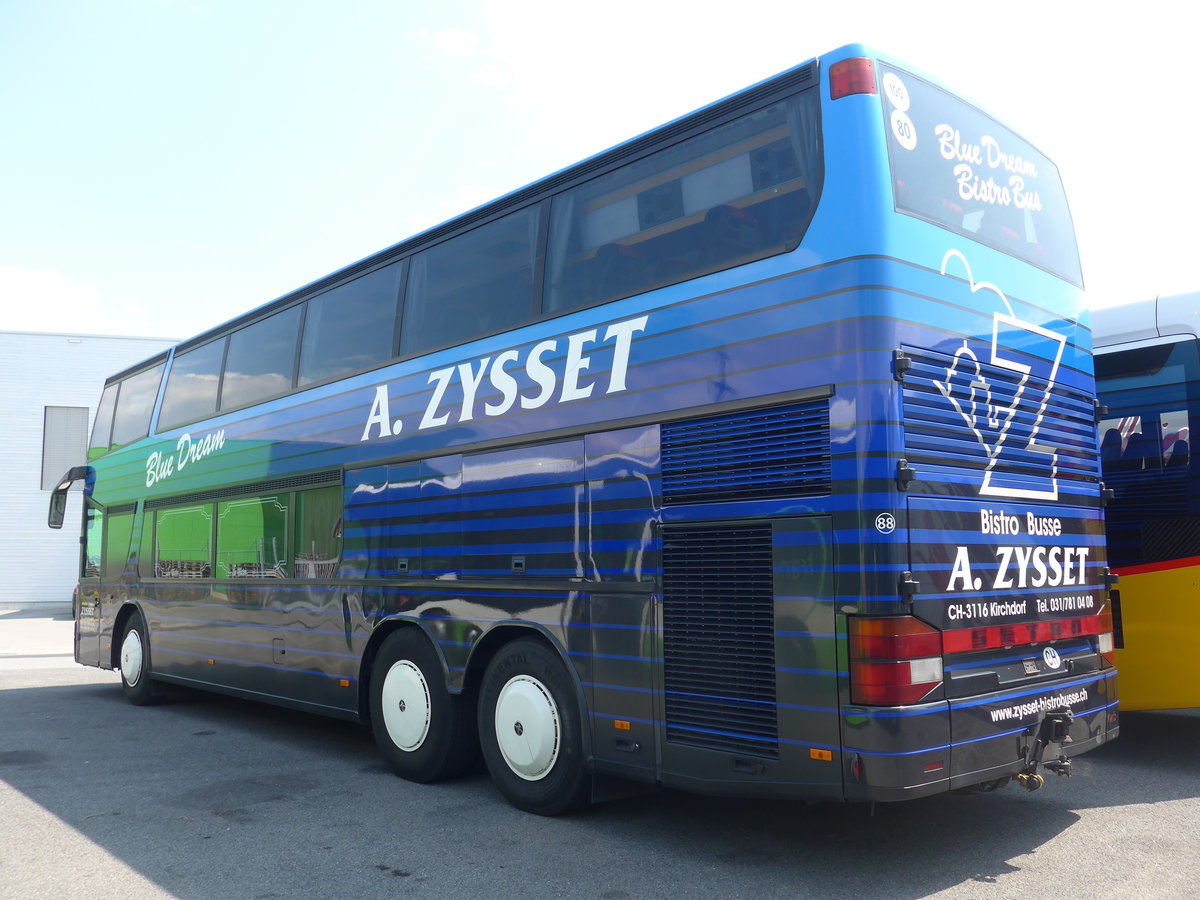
{"x":982,"y":647}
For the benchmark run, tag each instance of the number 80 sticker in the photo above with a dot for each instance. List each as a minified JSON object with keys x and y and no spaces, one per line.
{"x":902,"y":127}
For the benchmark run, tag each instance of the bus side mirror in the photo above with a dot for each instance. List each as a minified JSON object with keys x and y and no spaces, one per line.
{"x":58,"y":498}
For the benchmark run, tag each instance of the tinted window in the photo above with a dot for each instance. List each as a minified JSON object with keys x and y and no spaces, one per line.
{"x":475,"y":284}
{"x":192,"y":385}
{"x":1152,"y":395}
{"x":135,"y":403}
{"x":739,"y":192}
{"x":318,"y":532}
{"x":183,"y":542}
{"x":252,"y":538}
{"x":102,"y":430}
{"x":93,"y":542}
{"x":116,"y":545}
{"x":955,"y":166}
{"x":351,"y":327}
{"x":261,"y":359}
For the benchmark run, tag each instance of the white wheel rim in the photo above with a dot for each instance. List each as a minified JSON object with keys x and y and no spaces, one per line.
{"x":528,"y":730}
{"x":131,"y":658}
{"x":406,"y":707}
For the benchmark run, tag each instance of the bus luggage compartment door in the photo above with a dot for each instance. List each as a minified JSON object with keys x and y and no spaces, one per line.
{"x":749,"y":700}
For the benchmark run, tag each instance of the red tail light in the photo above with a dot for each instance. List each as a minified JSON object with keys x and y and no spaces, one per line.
{"x":894,"y":661}
{"x":852,"y":76}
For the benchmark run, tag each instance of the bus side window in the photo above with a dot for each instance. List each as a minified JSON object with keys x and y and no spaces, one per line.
{"x":93,"y":552}
{"x":318,"y":533}
{"x":252,"y":537}
{"x":183,"y":542}
{"x":116,"y":545}
{"x":738,"y":192}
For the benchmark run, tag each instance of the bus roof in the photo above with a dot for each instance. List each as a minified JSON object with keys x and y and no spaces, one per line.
{"x":1147,"y":321}
{"x":765,"y":91}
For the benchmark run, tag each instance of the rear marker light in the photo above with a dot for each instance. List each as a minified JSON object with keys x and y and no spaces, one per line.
{"x":991,"y":637}
{"x":852,"y":76}
{"x":1105,"y":644}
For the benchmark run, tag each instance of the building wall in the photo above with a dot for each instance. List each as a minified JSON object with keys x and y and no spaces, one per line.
{"x":38,"y":565}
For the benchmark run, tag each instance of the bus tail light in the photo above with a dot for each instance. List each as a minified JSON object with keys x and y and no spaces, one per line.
{"x":1105,"y":644}
{"x":852,"y":76}
{"x":894,"y":661}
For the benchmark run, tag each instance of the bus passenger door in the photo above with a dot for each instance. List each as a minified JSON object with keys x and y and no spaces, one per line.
{"x":86,"y":605}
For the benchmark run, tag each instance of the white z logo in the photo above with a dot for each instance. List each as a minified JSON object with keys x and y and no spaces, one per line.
{"x":996,"y":425}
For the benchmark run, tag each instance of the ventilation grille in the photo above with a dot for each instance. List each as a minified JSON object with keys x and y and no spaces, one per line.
{"x":962,"y":415}
{"x":719,"y":638}
{"x":756,"y":454}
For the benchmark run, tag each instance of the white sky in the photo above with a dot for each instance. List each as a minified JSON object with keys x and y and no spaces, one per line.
{"x":166,"y":165}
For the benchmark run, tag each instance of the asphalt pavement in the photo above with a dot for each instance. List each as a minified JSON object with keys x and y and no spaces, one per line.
{"x":205,"y":796}
{"x":35,"y":637}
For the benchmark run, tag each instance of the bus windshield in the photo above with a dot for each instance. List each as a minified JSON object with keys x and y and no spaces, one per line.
{"x":955,"y":166}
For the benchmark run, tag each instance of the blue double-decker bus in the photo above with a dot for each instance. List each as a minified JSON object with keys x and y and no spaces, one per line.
{"x":755,"y":456}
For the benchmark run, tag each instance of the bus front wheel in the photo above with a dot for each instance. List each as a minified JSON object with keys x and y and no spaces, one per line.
{"x":135,"y":661}
{"x":424,"y":732}
{"x":530,"y":730}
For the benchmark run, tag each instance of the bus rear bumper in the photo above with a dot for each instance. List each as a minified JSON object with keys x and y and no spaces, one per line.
{"x":978,"y":742}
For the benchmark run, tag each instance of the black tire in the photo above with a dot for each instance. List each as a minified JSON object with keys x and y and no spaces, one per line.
{"x":424,"y":732}
{"x":134,"y":662}
{"x":530,"y":730}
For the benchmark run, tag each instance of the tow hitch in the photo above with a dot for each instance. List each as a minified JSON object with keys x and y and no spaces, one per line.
{"x":1054,"y":729}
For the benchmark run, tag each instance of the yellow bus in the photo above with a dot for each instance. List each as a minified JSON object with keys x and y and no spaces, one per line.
{"x":1148,"y":379}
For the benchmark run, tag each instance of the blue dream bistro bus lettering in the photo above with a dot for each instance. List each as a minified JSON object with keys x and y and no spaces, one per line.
{"x":754,"y":456}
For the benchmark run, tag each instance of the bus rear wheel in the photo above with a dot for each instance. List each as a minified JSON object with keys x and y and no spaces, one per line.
{"x":424,"y":732}
{"x":135,"y":661}
{"x":530,"y":730}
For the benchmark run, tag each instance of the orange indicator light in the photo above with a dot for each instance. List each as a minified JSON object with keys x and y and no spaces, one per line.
{"x":620,"y":725}
{"x":823,"y":755}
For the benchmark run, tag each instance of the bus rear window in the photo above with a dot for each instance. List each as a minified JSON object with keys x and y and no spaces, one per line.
{"x":956,"y":167}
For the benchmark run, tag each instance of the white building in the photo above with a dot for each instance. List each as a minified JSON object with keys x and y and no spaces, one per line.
{"x":49,"y":383}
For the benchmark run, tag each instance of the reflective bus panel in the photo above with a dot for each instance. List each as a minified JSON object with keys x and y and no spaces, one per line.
{"x":755,"y":456}
{"x":1148,"y":378}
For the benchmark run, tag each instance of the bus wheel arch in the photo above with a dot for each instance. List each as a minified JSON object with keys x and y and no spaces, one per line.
{"x":132,"y":655}
{"x":423,"y":731}
{"x":532,"y":729}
